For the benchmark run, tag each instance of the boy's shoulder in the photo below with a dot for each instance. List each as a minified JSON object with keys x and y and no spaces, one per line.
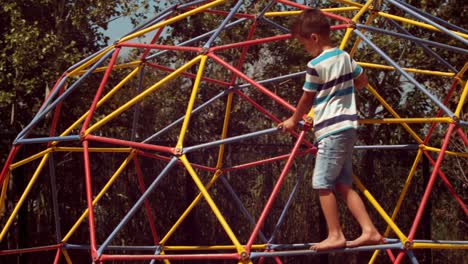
{"x":326,"y":55}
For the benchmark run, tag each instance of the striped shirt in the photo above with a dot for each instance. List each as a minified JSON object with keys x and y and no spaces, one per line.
{"x":330,"y":75}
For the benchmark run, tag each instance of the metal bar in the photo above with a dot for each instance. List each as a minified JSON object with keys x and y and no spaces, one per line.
{"x":223,"y":24}
{"x":430,"y":22}
{"x":171,"y":257}
{"x":137,"y":205}
{"x":415,"y":39}
{"x":289,"y":201}
{"x":231,"y":139}
{"x":131,"y":144}
{"x":392,"y":147}
{"x":406,"y":75}
{"x":89,"y":199}
{"x":136,"y":107}
{"x":48,"y":139}
{"x":53,"y":187}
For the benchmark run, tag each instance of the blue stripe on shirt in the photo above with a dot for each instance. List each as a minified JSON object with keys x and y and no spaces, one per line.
{"x":326,"y":56}
{"x":324,"y":99}
{"x":334,"y":120}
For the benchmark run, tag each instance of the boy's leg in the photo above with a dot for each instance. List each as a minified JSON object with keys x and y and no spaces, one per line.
{"x":370,"y":234}
{"x":335,"y":238}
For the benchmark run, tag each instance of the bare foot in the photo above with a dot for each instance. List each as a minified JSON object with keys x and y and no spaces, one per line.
{"x":366,"y":238}
{"x":330,"y":243}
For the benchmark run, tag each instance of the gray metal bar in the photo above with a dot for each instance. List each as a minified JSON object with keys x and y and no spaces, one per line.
{"x":402,"y":147}
{"x":137,"y":205}
{"x":430,"y":22}
{"x":136,"y":113}
{"x":47,"y":139}
{"x":425,"y":48}
{"x":53,"y":188}
{"x":406,"y":75}
{"x":415,"y":39}
{"x":231,"y":139}
{"x":223,"y":24}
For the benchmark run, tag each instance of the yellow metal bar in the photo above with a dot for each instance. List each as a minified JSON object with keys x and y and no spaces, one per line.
{"x":354,"y":19}
{"x":171,"y":20}
{"x":458,"y":154}
{"x":419,"y":24}
{"x":227,"y":116}
{"x":99,"y":196}
{"x":103,"y":99}
{"x":380,"y":210}
{"x":4,"y":190}
{"x":461,"y":102}
{"x":115,"y":67}
{"x":189,"y":209}
{"x":67,"y":256}
{"x":80,"y":149}
{"x":142,"y":95}
{"x":23,"y":196}
{"x":90,"y":62}
{"x":390,"y":109}
{"x":402,"y":196}
{"x":220,"y":247}
{"x":346,"y":38}
{"x":27,"y":160}
{"x":407,"y":120}
{"x":351,"y":3}
{"x":294,"y":13}
{"x":418,"y":245}
{"x":191,"y":102}
{"x":413,"y":70}
{"x":211,"y":203}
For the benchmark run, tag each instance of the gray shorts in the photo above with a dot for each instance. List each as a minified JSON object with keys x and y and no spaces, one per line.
{"x":334,"y":160}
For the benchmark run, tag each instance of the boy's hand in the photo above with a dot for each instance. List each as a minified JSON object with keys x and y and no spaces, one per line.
{"x":287,"y":125}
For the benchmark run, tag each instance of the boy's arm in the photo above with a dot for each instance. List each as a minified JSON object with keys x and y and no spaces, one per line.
{"x":303,"y":107}
{"x":361,"y":81}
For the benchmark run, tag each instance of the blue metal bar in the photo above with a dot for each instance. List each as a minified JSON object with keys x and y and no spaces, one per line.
{"x":405,"y":74}
{"x":267,"y":7}
{"x":53,"y":187}
{"x":161,"y":16}
{"x":231,"y":139}
{"x":402,"y":147}
{"x":52,"y":95}
{"x":434,"y":18}
{"x":197,"y":109}
{"x":136,"y":113}
{"x":463,"y":123}
{"x":276,"y":25}
{"x":412,"y":257}
{"x":128,"y":248}
{"x":197,"y":38}
{"x":289,"y":201}
{"x":76,"y":65}
{"x":241,"y":206}
{"x":430,"y":22}
{"x":192,"y":3}
{"x":232,"y":12}
{"x":47,"y":139}
{"x":63,"y":96}
{"x":415,"y":39}
{"x":254,"y":255}
{"x":137,"y":205}
{"x":276,"y":79}
{"x":425,"y":48}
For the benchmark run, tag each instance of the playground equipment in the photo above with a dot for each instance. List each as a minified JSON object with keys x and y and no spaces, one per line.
{"x":85,"y":134}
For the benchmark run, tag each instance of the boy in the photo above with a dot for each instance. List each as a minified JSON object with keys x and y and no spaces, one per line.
{"x":329,"y":87}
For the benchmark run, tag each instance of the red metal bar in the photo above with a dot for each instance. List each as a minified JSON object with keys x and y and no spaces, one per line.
{"x":164,"y":158}
{"x":244,"y":51}
{"x":56,"y":117}
{"x":250,"y":42}
{"x":57,"y":256}
{"x":274,"y":193}
{"x":153,"y":40}
{"x":440,"y":112}
{"x":6,"y":166}
{"x":267,"y":113}
{"x":149,"y":213}
{"x":428,"y":190}
{"x":448,"y":184}
{"x":390,"y":254}
{"x":267,"y":92}
{"x":130,"y":143}
{"x":330,"y":15}
{"x":235,"y":256}
{"x":100,"y":90}
{"x":191,"y":75}
{"x":159,"y":47}
{"x":462,"y":135}
{"x":224,"y":13}
{"x":29,"y":250}
{"x":89,"y":200}
{"x":53,"y":88}
{"x":269,"y":160}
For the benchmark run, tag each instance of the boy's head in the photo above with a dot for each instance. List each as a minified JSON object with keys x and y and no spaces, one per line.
{"x":312,"y":29}
{"x":310,"y":21}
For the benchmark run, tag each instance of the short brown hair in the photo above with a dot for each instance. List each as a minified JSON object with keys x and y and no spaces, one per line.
{"x":310,"y":21}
